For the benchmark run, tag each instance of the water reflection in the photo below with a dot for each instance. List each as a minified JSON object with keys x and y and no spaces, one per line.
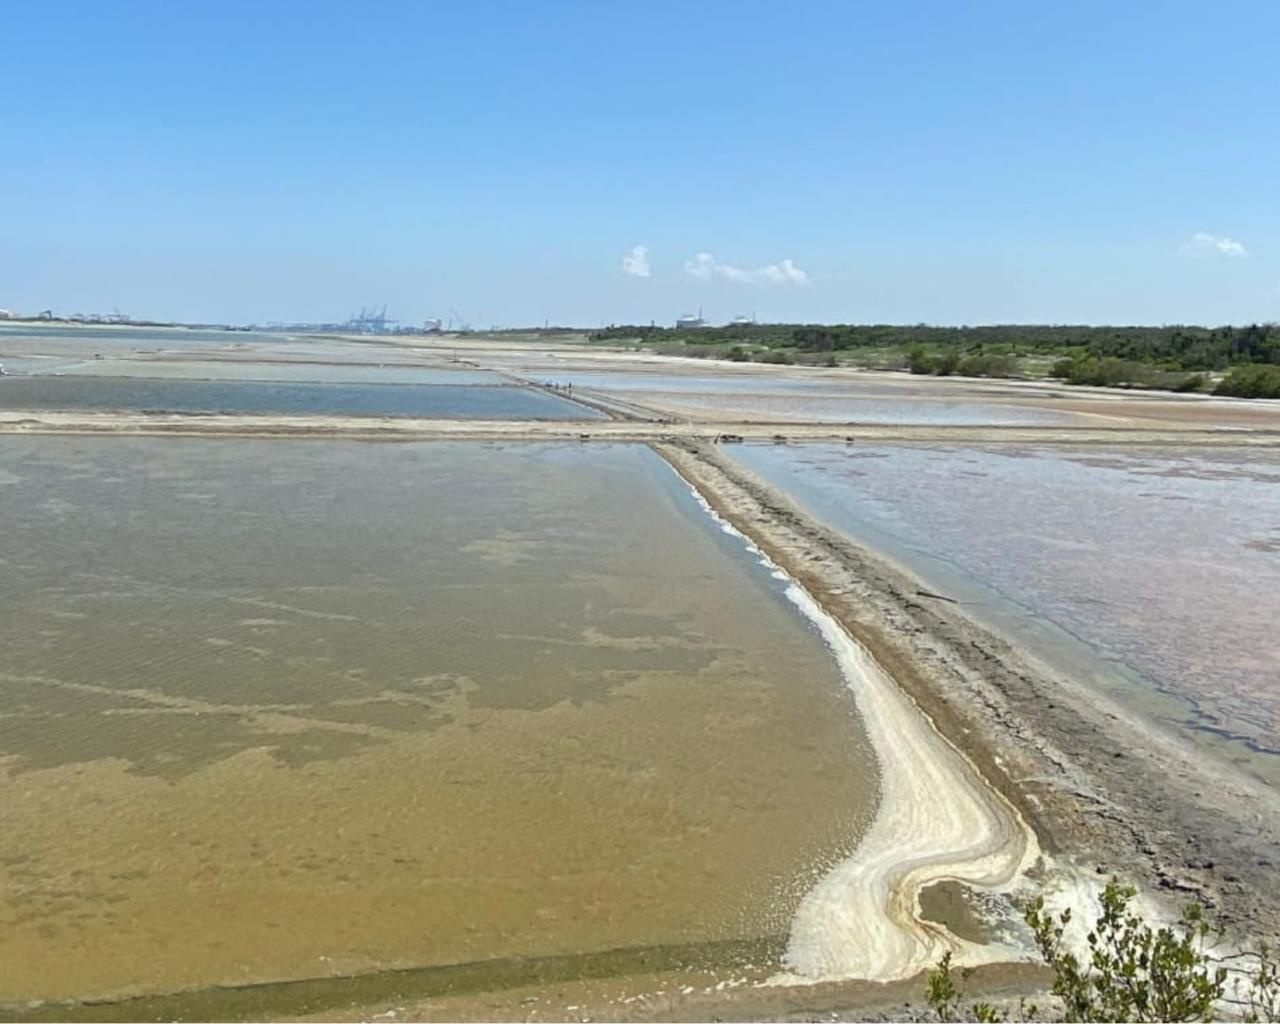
{"x":248,"y":397}
{"x":1159,"y":560}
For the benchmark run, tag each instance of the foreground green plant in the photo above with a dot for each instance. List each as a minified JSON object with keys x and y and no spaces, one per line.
{"x":1131,"y":972}
{"x":1261,"y":996}
{"x":947,"y":997}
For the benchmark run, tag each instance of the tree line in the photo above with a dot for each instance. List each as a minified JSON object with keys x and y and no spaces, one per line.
{"x":1175,"y":358}
{"x":1176,"y":347}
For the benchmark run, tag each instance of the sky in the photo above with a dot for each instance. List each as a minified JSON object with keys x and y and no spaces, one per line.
{"x":587,"y":163}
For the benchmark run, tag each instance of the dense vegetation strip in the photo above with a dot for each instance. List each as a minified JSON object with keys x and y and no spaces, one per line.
{"x":1229,"y":360}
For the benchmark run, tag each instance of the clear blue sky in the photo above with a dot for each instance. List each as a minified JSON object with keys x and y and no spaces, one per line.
{"x":938,"y":162}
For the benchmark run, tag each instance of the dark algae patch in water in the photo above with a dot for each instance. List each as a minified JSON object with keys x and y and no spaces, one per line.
{"x":318,"y":995}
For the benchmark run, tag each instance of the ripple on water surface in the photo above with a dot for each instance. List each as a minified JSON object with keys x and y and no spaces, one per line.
{"x":323,"y":708}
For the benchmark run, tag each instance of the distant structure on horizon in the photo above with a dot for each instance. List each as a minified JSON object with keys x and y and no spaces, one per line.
{"x":370,"y":321}
{"x":75,"y":318}
{"x":687,"y":321}
{"x":742,"y":321}
{"x":115,"y":317}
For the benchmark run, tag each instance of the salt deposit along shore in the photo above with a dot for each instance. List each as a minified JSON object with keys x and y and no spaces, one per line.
{"x":938,"y":820}
{"x":1103,"y":790}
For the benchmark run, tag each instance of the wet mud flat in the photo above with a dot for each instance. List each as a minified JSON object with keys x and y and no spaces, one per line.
{"x":779,"y":405}
{"x":1105,"y":789}
{"x":54,"y":348}
{"x":283,"y":713}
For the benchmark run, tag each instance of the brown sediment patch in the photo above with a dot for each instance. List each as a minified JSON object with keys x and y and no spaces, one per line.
{"x":951,"y":904}
{"x":273,"y":767}
{"x":1098,"y":783}
{"x":686,"y":996}
{"x":460,"y":985}
{"x":657,"y":983}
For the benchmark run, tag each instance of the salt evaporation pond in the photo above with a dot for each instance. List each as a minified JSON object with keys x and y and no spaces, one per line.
{"x":219,"y":354}
{"x":1154,"y":566}
{"x":130,"y":335}
{"x":248,"y":369}
{"x":772,"y":397}
{"x":851,"y":408}
{"x":249,"y":397}
{"x":285,"y":710}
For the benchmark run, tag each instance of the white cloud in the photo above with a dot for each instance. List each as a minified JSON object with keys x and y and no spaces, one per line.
{"x":1212,"y":243}
{"x":785,"y":272}
{"x":636,"y":262}
{"x":704,"y":266}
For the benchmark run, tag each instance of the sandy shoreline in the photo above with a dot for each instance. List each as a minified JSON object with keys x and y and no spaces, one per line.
{"x":1100,"y":786}
{"x":938,"y":821}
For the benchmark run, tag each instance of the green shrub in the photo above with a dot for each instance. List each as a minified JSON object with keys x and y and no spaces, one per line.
{"x":918,"y":361}
{"x":945,"y":365}
{"x":1261,"y":381}
{"x":1131,"y":972}
{"x":987,"y":366}
{"x":1106,"y":372}
{"x":1177,"y":347}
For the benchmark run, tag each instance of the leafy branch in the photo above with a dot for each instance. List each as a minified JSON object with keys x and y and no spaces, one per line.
{"x":1130,"y":971}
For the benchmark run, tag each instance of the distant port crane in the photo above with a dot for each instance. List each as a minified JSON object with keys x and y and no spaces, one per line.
{"x":371,"y":321}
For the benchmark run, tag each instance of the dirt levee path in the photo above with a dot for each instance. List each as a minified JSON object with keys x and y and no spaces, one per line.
{"x":380,"y":428}
{"x":1102,"y":788}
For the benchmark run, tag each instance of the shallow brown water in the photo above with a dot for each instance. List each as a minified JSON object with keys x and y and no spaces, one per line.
{"x":288,"y":710}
